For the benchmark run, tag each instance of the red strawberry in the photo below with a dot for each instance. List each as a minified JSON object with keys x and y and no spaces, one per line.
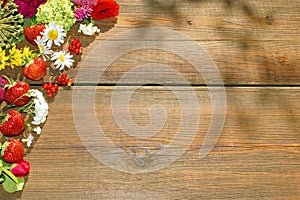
{"x":16,"y":94}
{"x":36,"y":69}
{"x":12,"y":151}
{"x":31,"y":32}
{"x":13,"y":124}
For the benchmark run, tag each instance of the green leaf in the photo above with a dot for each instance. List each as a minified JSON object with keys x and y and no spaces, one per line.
{"x":9,"y":185}
{"x":20,"y":184}
{"x":2,"y":179}
{"x":33,"y":20}
{"x":27,"y":22}
{"x":10,"y":175}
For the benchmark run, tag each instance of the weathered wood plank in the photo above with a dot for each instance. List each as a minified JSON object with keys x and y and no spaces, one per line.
{"x":257,"y":155}
{"x":245,"y":46}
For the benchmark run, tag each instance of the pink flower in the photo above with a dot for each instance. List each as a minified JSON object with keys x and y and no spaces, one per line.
{"x":20,"y":169}
{"x":82,"y":12}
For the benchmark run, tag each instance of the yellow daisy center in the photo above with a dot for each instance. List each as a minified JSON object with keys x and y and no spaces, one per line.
{"x":53,"y":35}
{"x":62,"y":58}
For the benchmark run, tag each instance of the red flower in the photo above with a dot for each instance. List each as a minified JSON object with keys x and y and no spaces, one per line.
{"x":20,"y":169}
{"x":104,"y":9}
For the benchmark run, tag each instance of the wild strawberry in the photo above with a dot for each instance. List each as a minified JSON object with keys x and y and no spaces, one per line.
{"x":36,"y":69}
{"x":12,"y":151}
{"x":16,"y":93}
{"x":31,"y":32}
{"x":13,"y":124}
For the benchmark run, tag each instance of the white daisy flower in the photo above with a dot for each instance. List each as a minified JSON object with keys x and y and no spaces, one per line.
{"x":89,"y":29}
{"x":62,"y":60}
{"x":53,"y":33}
{"x":44,"y":50}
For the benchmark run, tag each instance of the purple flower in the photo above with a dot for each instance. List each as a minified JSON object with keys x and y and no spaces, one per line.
{"x":28,"y":8}
{"x":82,"y":13}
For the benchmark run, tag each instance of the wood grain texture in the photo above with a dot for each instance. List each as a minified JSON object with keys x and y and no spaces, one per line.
{"x":255,"y":45}
{"x":257,"y":155}
{"x":251,"y":42}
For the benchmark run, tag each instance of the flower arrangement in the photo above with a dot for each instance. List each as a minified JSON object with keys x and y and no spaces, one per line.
{"x":45,"y":25}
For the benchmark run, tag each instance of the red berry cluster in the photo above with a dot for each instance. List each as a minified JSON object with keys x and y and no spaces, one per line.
{"x":50,"y":88}
{"x":64,"y":80}
{"x":75,"y":46}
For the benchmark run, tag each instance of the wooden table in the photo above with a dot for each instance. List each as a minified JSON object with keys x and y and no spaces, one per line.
{"x":256,"y":47}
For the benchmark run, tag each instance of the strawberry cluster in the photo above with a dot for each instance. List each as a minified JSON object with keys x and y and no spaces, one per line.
{"x":75,"y":46}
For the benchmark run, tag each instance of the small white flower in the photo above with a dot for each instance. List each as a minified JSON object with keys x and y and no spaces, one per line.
{"x":41,"y":112}
{"x":37,"y":130}
{"x":53,"y":34}
{"x":89,"y":29}
{"x":44,"y":50}
{"x":41,"y":107}
{"x":62,"y":59}
{"x":29,"y":140}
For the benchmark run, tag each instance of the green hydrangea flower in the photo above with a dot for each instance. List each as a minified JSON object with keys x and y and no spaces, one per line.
{"x":58,"y":11}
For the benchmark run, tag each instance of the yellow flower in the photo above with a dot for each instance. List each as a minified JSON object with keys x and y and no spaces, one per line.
{"x":26,"y":52}
{"x":27,"y":55}
{"x":16,"y":57}
{"x":3,"y":59}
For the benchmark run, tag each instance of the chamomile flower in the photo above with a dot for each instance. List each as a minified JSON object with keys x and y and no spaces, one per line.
{"x":43,"y":48}
{"x":62,"y":60}
{"x":53,"y":34}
